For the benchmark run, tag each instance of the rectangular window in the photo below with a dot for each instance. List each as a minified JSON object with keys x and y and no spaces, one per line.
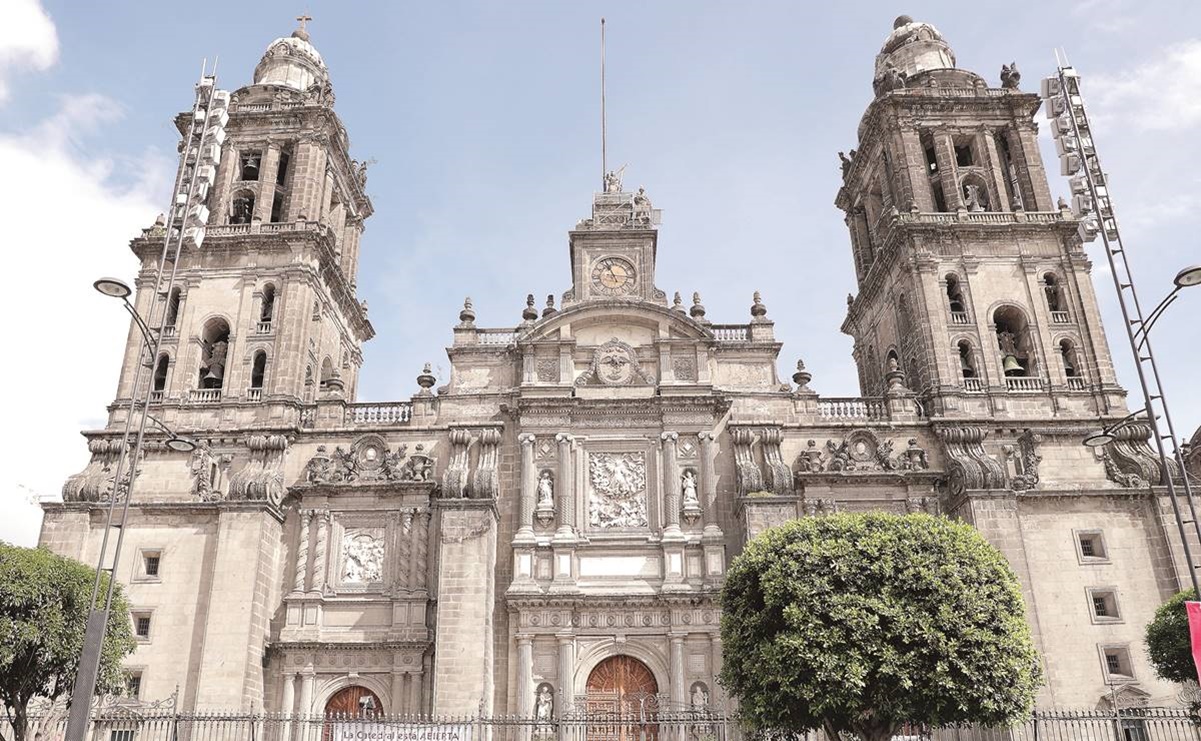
{"x":151,"y":561}
{"x":1104,"y":604}
{"x":141,"y":626}
{"x":133,"y":684}
{"x":1090,"y":546}
{"x":281,"y":174}
{"x":1117,"y":663}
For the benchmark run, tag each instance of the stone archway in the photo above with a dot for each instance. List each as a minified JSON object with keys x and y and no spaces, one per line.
{"x":622,"y":685}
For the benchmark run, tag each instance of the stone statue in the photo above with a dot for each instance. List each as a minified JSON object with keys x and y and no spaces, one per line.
{"x":846,"y":163}
{"x":688,"y":486}
{"x":811,"y":459}
{"x":1010,"y":77}
{"x":360,"y":173}
{"x":612,"y":182}
{"x":546,"y":490}
{"x":544,"y":708}
{"x":1062,"y":204}
{"x":700,"y":697}
{"x":971,"y":197}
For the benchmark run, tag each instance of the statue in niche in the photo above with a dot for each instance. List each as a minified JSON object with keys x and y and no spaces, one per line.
{"x":700,"y":697}
{"x":972,"y":198}
{"x":546,"y":490}
{"x":688,"y":487}
{"x":544,"y":706}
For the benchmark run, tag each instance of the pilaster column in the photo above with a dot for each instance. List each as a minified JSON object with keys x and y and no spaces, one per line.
{"x":287,"y":705}
{"x":320,"y":556}
{"x":948,"y":170}
{"x":422,"y":526}
{"x":715,"y":660}
{"x":566,"y":485}
{"x":416,"y":701}
{"x":268,"y":171}
{"x":678,"y":691}
{"x":302,"y":552}
{"x":308,"y":679}
{"x":327,"y":195}
{"x":671,"y":483}
{"x":397,"y":693}
{"x":566,"y":673}
{"x":529,"y":485}
{"x":525,"y":676}
{"x":708,"y":484}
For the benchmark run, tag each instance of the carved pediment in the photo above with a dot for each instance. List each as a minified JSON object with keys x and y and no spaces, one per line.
{"x":615,"y":363}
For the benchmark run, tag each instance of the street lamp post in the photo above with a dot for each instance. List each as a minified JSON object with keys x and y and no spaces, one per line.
{"x":188,"y":216}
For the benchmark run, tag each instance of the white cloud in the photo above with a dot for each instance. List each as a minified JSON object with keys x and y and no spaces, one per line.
{"x":71,"y":225}
{"x":1162,"y":94}
{"x":28,"y":40}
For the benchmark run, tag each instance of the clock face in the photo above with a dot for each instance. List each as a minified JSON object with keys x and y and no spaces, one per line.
{"x":613,"y":276}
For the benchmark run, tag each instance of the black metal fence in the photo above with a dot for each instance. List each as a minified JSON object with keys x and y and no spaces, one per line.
{"x":131,"y":724}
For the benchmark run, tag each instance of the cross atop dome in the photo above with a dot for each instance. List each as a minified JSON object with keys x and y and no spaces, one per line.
{"x":302,"y":32}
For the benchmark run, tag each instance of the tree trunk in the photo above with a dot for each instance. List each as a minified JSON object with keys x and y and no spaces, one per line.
{"x":20,"y":721}
{"x":876,"y":729}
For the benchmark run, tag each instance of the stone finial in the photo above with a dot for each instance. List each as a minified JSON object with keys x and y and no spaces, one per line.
{"x":160,"y":220}
{"x":426,"y":380}
{"x":802,"y":377}
{"x":467,"y":315}
{"x":677,"y":303}
{"x":550,"y":309}
{"x":698,"y":309}
{"x":363,"y":305}
{"x":758,"y":308}
{"x":529,"y":314}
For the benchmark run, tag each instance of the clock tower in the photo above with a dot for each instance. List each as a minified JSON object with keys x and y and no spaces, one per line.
{"x":613,"y":252}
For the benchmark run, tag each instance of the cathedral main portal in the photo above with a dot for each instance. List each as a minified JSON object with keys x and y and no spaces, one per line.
{"x":624,"y":686}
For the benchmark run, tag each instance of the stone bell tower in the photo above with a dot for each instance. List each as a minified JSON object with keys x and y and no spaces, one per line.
{"x":973,"y":287}
{"x":263,"y":316}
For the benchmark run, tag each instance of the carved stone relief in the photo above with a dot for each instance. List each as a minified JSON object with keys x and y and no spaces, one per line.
{"x":684,"y":368}
{"x":454,"y":480}
{"x":485,"y":483}
{"x":363,"y":556}
{"x":617,"y":494}
{"x":547,"y":370}
{"x":970,"y":467}
{"x":749,"y":477}
{"x":1026,"y":461}
{"x":368,"y":460}
{"x":261,"y":477}
{"x":1132,"y":460}
{"x":862,"y":451}
{"x":779,"y":475}
{"x":615,"y":363}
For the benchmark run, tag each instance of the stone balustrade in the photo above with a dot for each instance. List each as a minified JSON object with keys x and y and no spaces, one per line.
{"x":1023,"y":383}
{"x":852,"y":408}
{"x":731,"y":332}
{"x":387,"y":413}
{"x":204,"y":396}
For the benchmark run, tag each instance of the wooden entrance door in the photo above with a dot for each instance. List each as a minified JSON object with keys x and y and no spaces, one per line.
{"x":622,"y":701}
{"x":347,"y":704}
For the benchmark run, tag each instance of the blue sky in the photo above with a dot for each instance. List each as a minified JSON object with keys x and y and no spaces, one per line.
{"x":483,"y":121}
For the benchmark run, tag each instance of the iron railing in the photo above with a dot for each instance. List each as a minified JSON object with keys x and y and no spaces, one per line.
{"x":139,"y":723}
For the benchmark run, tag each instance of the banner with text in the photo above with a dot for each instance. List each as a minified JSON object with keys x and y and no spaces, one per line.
{"x":379,"y":731}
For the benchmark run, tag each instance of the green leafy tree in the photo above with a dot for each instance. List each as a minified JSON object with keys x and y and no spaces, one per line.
{"x":43,"y":613}
{"x":1168,"y":642}
{"x":861,"y":623}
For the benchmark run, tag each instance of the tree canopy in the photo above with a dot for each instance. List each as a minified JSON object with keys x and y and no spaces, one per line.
{"x":43,"y":613}
{"x":864,"y":622}
{"x":1168,"y":644}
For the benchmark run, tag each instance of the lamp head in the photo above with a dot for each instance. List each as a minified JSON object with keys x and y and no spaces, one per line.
{"x":1188,"y":277}
{"x":1098,"y":440}
{"x":112,"y":287}
{"x":181,"y":444}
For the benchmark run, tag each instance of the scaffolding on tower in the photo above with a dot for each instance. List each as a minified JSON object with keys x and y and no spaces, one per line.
{"x":185,"y":224}
{"x":1092,"y":205}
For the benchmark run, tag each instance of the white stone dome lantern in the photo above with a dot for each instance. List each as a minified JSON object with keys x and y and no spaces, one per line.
{"x":292,"y":62}
{"x":913,"y":47}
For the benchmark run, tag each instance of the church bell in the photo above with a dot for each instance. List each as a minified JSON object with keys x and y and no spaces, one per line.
{"x":1012,"y":367}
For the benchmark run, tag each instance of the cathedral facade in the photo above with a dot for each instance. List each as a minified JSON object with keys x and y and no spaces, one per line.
{"x":552,"y":524}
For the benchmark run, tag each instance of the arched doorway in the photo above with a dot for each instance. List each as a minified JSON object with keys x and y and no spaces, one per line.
{"x":354,"y":702}
{"x":622,"y":685}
